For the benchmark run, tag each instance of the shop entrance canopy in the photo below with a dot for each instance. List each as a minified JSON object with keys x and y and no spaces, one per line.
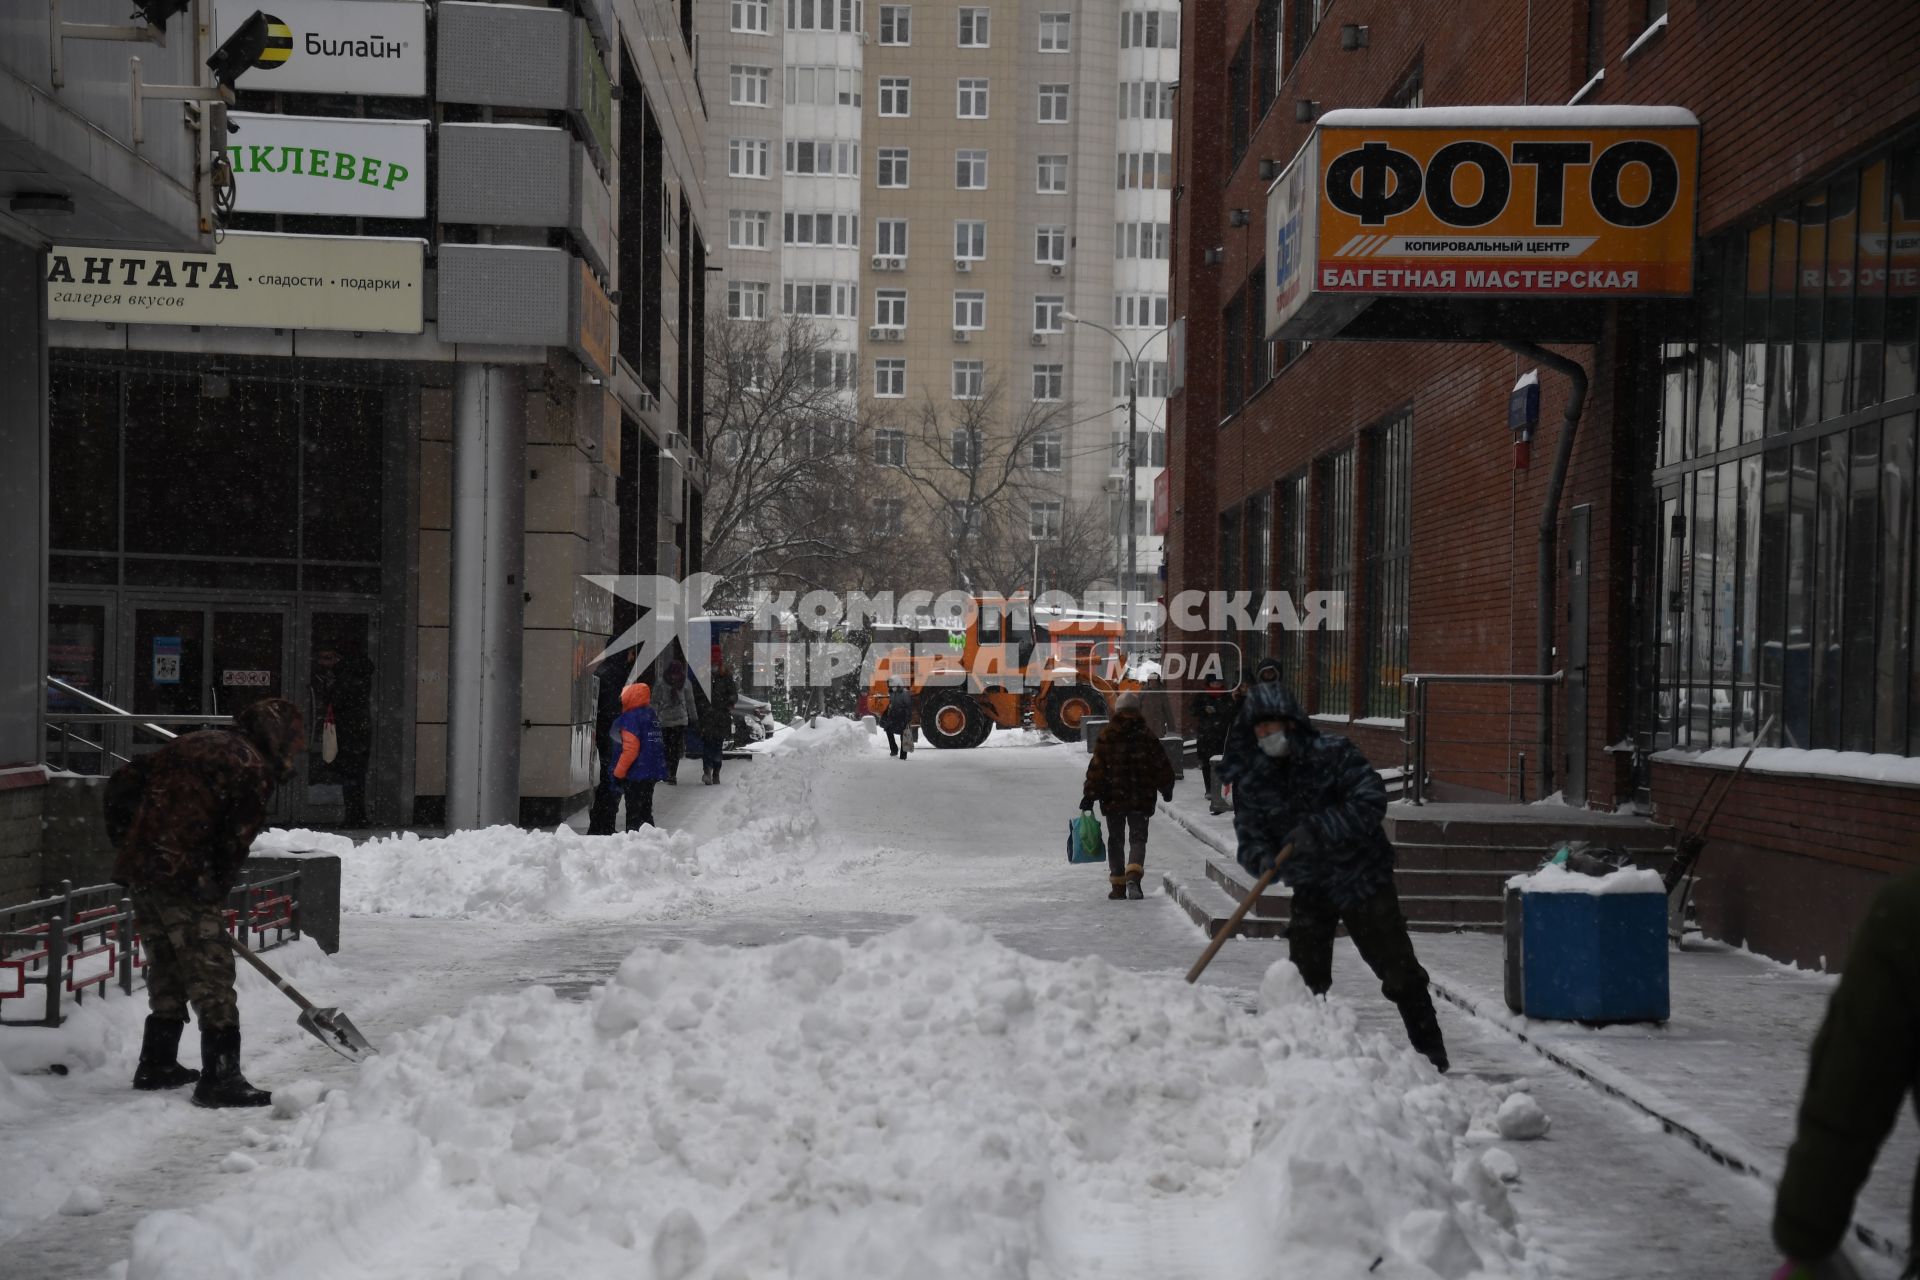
{"x":1467,"y":223}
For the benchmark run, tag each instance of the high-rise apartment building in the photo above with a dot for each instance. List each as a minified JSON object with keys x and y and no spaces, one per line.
{"x":943,"y":185}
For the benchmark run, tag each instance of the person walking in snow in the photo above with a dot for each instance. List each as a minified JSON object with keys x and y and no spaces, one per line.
{"x":715,"y":717}
{"x":673,"y":707}
{"x":897,"y":719}
{"x":1129,"y":768}
{"x":1211,"y":712}
{"x":1294,"y":785}
{"x":642,"y":755}
{"x":1866,"y":1066}
{"x":183,"y":819}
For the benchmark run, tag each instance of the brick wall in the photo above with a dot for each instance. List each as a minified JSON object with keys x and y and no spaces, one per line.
{"x":21,"y":806}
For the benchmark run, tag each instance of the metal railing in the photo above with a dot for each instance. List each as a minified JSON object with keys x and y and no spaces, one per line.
{"x":1420,"y":737}
{"x":63,"y":724}
{"x":81,"y":939}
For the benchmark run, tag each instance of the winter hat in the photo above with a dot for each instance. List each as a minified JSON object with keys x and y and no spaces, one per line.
{"x":275,"y":726}
{"x":635,"y":696}
{"x":1127,"y":702}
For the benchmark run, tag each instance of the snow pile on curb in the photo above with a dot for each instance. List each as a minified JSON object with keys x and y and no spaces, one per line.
{"x":1554,"y":878}
{"x":926,"y":1104}
{"x":765,"y":834}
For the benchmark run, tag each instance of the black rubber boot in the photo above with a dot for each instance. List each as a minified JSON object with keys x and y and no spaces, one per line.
{"x":160,"y":1056}
{"x":1423,"y":1030}
{"x":221,"y":1084}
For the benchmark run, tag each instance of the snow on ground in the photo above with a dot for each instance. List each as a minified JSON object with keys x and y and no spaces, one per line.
{"x":768,"y":831}
{"x":928,"y":1103}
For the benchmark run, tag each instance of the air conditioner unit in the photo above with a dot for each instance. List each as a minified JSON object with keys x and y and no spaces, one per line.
{"x":961,"y":335}
{"x":1115,"y":484}
{"x":896,"y":264}
{"x":882,"y":334}
{"x":963,"y":265}
{"x":1038,"y":339}
{"x":1057,"y":269}
{"x":879,"y":263}
{"x":649,"y":403}
{"x":676,"y":442}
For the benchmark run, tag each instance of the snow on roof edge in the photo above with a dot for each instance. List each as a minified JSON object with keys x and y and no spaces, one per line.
{"x":1511,"y":117}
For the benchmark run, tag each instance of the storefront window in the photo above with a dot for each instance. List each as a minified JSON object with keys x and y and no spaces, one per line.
{"x":1389,"y":540}
{"x":1332,"y":687}
{"x":1787,"y":511}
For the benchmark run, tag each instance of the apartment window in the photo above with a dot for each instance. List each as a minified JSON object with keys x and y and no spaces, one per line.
{"x":748,"y":15}
{"x":822,"y":157}
{"x":969,"y":309}
{"x":1146,"y":100}
{"x":832,"y":370}
{"x":1596,"y":37}
{"x":1056,"y":32}
{"x":1049,"y":382}
{"x":1656,"y":10}
{"x":890,"y":443}
{"x":1140,"y":240}
{"x":896,"y":96}
{"x":1266,"y":55}
{"x":1412,"y":90}
{"x":969,"y":383}
{"x":973,"y":28}
{"x":1151,"y":29}
{"x":1306,"y":20}
{"x":747,"y":157}
{"x":890,"y":308}
{"x":896,"y":24}
{"x":1389,"y":540}
{"x":972,"y":99}
{"x":1051,"y":175}
{"x":1043,"y":451}
{"x":747,"y":228}
{"x":889,"y":516}
{"x":747,"y":86}
{"x":1153,"y":379}
{"x":1233,"y":387}
{"x":1144,"y":171}
{"x":1050,"y":245}
{"x":1139,"y":310}
{"x":822,"y":230}
{"x":1239,"y":106}
{"x":1295,"y":535}
{"x":1046,"y":313}
{"x":891,"y":241}
{"x":821,"y":299}
{"x":746,"y":300}
{"x":962,"y":520}
{"x":1053,"y":104}
{"x":893,"y":167}
{"x":1260,"y":363}
{"x":966,"y":442}
{"x":970,"y":170}
{"x":825,"y":15}
{"x":969,"y":240}
{"x":1332,"y":687}
{"x":822,"y":86}
{"x":890,"y":383}
{"x":1044,"y":519}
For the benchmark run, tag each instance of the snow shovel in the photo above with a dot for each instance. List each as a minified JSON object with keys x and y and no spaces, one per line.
{"x":1232,"y":925}
{"x":329,"y":1026}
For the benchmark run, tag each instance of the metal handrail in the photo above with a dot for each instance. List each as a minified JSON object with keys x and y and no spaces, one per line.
{"x":64,"y":722}
{"x":1416,"y":740}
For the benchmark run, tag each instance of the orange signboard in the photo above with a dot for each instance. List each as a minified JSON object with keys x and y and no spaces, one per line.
{"x":1575,"y":202}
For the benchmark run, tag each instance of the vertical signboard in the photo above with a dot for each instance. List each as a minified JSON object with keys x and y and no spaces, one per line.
{"x":1291,"y":205}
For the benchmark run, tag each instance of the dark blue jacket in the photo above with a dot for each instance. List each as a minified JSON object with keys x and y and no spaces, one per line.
{"x":638,"y":727}
{"x":1324,"y":785}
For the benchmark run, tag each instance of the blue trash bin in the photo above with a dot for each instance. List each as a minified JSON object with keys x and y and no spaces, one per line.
{"x":1594,"y":957}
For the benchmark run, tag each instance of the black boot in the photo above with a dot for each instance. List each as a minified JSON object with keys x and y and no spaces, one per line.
{"x":160,"y":1056}
{"x":221,"y":1084}
{"x":1423,"y":1029}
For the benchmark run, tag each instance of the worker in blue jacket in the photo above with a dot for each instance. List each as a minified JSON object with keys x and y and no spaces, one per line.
{"x":639,"y":754}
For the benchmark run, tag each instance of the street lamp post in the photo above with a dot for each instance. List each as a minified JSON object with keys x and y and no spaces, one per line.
{"x":1133,"y":455}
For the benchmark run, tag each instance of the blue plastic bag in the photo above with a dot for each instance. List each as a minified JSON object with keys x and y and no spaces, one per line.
{"x":1084,"y":841}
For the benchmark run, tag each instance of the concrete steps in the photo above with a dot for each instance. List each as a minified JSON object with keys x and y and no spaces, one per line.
{"x":1209,"y":906}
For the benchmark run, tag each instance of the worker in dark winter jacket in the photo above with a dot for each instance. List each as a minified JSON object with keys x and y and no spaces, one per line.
{"x":604,"y":813}
{"x":1129,"y":768}
{"x":897,"y":719}
{"x":183,"y":819}
{"x":673,"y":707}
{"x":1211,"y":712}
{"x":1294,"y":785}
{"x":1866,"y":1066}
{"x":640,"y":758}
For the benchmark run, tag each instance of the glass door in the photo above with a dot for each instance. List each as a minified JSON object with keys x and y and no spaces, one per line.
{"x":339,"y":644}
{"x":80,"y":653}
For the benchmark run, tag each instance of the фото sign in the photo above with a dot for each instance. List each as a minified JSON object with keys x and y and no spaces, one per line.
{"x":1480,"y":202}
{"x":250,"y":281}
{"x":375,"y":47}
{"x":324,"y":165}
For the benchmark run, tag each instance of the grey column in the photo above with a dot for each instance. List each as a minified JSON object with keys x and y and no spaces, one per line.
{"x":23,"y":501}
{"x":484,"y":640}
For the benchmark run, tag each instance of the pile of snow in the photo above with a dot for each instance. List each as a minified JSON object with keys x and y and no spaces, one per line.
{"x":926,"y":1104}
{"x":1861,"y":766}
{"x":765,"y":833}
{"x":1554,"y":878}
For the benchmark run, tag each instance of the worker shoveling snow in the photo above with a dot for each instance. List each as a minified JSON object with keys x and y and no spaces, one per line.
{"x":926,"y":1104}
{"x":764,"y":834}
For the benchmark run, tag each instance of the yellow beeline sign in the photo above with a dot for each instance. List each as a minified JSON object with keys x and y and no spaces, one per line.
{"x":1594,"y":202}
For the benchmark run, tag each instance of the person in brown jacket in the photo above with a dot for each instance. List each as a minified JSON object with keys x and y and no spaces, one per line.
{"x":183,"y":819}
{"x":1129,"y":768}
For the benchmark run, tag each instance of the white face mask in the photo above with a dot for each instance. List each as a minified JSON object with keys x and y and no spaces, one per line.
{"x":1277,"y":745}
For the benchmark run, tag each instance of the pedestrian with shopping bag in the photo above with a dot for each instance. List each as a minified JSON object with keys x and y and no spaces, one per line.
{"x":1128,"y":770}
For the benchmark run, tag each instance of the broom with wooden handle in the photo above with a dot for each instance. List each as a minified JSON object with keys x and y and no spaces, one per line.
{"x":1232,"y":925}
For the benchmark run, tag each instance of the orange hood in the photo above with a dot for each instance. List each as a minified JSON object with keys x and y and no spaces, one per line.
{"x":635,"y":696}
